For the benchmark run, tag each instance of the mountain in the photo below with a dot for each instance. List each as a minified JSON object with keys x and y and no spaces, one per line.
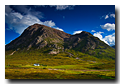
{"x":84,"y":41}
{"x":38,"y":36}
{"x":87,"y":43}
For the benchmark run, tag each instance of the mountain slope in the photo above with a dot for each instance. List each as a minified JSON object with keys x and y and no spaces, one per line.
{"x":87,"y":43}
{"x":38,"y":36}
{"x":84,"y":41}
{"x":54,"y":41}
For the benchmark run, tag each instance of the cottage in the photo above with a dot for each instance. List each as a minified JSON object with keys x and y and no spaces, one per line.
{"x":36,"y":65}
{"x":77,"y":58}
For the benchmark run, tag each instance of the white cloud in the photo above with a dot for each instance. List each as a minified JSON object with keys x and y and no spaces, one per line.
{"x":98,"y":34}
{"x":106,"y":16}
{"x":109,"y":39}
{"x":18,"y":15}
{"x":77,"y":32}
{"x":108,"y":26}
{"x":18,"y":22}
{"x":58,"y":7}
{"x":49,"y":23}
{"x":59,"y":29}
{"x":93,"y":31}
{"x":30,"y":20}
{"x":63,"y":7}
{"x":112,"y":15}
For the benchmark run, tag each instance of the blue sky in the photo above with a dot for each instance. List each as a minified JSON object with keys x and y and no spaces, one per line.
{"x":99,"y":20}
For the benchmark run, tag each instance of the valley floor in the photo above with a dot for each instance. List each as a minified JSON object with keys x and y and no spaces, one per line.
{"x":51,"y":72}
{"x":60,"y":66}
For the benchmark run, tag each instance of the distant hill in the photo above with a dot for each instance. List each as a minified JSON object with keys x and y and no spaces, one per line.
{"x":38,"y":36}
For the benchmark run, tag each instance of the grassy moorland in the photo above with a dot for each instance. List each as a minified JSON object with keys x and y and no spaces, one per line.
{"x":59,"y":66}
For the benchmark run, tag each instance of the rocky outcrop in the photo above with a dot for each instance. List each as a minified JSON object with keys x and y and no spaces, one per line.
{"x":13,"y":52}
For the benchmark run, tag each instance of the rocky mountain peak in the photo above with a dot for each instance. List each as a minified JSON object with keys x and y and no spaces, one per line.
{"x":38,"y":36}
{"x":83,"y":34}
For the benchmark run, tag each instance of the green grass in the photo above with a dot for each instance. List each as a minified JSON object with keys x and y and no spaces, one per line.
{"x":37,"y":73}
{"x":20,"y":66}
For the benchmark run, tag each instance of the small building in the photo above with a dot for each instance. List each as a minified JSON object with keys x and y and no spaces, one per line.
{"x":36,"y":64}
{"x":77,"y":58}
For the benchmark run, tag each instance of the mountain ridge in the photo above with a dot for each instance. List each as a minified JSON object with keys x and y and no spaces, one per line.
{"x":38,"y":36}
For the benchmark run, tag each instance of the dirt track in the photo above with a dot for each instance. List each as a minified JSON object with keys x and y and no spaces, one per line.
{"x":80,"y":70}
